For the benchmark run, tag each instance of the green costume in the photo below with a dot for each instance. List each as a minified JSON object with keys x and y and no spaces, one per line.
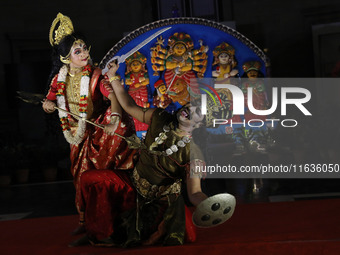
{"x":160,"y":214}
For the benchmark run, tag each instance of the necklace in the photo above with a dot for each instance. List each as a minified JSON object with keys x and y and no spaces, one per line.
{"x":75,"y":70}
{"x":161,"y":138}
{"x":61,"y":101}
{"x":73,"y":92}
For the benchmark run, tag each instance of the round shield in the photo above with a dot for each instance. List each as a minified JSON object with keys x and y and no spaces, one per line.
{"x":214,"y":210}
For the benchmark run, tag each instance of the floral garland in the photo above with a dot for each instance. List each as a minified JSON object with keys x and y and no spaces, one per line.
{"x":61,"y":101}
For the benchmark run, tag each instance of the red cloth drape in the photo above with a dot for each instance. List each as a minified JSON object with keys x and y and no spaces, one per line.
{"x":101,"y":151}
{"x":105,"y":194}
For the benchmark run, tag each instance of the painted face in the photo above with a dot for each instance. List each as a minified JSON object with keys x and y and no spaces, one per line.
{"x":223,"y":58}
{"x":79,"y":55}
{"x":252,"y":74}
{"x":162,"y":89}
{"x":136,"y":66}
{"x":190,"y":117}
{"x":179,"y":49}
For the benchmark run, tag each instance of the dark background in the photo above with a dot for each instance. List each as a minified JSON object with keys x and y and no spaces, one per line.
{"x":283,"y":28}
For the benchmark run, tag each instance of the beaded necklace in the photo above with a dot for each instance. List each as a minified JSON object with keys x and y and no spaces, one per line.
{"x":161,"y":138}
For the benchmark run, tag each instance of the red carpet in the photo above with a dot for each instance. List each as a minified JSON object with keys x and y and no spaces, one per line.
{"x":303,"y":227}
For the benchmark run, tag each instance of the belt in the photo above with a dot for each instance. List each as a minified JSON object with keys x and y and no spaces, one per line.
{"x":152,"y":191}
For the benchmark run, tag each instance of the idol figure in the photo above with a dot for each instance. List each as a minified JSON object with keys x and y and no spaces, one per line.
{"x":253,"y":79}
{"x":225,"y":62}
{"x":161,"y":98}
{"x":180,"y":62}
{"x":137,"y":80}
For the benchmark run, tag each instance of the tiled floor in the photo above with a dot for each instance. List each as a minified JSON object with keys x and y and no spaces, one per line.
{"x":45,"y":199}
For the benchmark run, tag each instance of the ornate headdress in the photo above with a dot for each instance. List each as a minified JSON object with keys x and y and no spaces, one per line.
{"x":159,"y":83}
{"x":223,"y":48}
{"x":64,"y":29}
{"x":251,"y":65}
{"x":181,"y":38}
{"x":137,"y":56}
{"x":61,"y":27}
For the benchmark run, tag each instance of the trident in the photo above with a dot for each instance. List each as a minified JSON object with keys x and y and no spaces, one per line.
{"x":133,"y":141}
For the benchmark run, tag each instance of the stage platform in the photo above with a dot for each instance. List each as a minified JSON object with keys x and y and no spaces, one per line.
{"x":299,"y":227}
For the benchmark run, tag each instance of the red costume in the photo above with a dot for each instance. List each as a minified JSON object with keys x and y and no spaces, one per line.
{"x":114,"y":192}
{"x":139,"y":95}
{"x":137,"y":79}
{"x":98,"y":150}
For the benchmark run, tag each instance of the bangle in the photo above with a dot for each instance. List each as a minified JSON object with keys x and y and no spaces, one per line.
{"x":116,"y":114}
{"x":114,"y":78}
{"x":113,"y":118}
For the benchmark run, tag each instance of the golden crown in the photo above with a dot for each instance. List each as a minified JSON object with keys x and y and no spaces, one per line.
{"x":65,"y":28}
{"x":251,"y":65}
{"x":224,"y":48}
{"x":181,"y":38}
{"x":137,"y":56}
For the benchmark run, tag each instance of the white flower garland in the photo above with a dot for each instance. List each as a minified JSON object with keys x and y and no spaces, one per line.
{"x":61,"y":102}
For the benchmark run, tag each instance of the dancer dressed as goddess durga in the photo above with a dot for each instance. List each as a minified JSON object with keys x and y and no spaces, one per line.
{"x":77,"y":86}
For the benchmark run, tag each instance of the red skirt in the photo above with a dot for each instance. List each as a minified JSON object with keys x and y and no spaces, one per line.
{"x":106,"y":194}
{"x":101,"y":151}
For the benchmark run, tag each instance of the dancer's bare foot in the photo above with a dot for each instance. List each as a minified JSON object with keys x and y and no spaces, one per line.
{"x":79,"y":230}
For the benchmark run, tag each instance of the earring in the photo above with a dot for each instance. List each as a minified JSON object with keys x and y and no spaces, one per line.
{"x":65,"y":60}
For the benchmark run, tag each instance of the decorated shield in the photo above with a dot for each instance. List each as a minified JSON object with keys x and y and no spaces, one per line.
{"x":214,"y":210}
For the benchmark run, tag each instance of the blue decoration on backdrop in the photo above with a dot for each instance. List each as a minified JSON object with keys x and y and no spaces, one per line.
{"x":211,"y":33}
